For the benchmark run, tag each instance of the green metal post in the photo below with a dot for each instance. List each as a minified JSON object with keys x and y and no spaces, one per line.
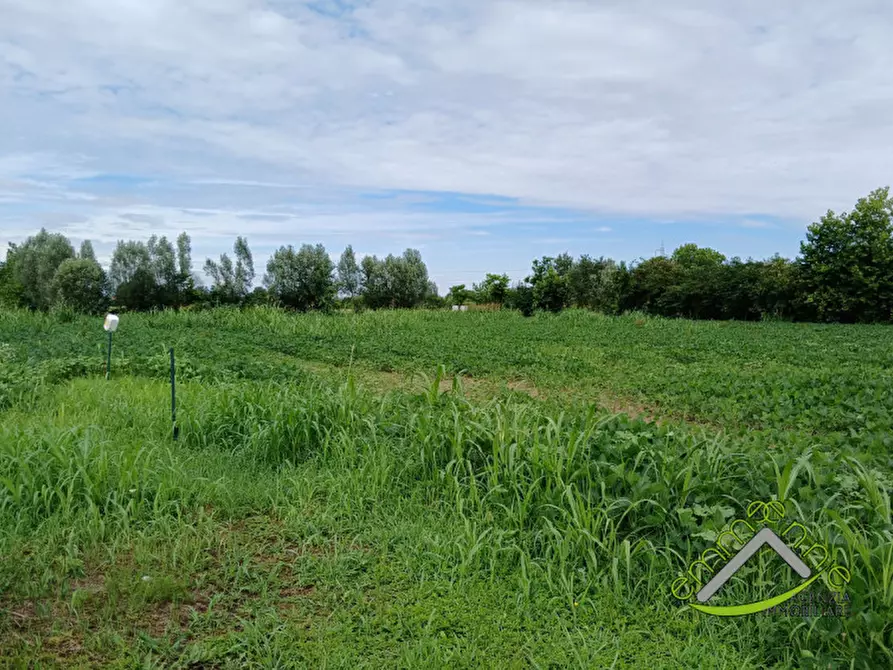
{"x":108,"y":362}
{"x":174,"y":396}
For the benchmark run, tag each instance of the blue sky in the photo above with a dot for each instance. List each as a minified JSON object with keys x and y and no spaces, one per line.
{"x":484,"y":133}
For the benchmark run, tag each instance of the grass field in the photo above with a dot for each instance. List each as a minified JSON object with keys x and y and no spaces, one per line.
{"x":430,"y":489}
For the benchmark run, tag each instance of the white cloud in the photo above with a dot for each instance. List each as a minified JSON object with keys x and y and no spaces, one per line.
{"x":670,"y":110}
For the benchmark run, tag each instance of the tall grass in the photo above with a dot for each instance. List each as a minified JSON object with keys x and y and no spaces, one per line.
{"x":568,"y":503}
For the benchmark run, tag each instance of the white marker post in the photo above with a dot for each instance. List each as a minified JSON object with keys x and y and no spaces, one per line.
{"x":110,"y":325}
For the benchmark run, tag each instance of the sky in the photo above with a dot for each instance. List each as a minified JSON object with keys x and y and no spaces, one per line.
{"x":483,"y":133}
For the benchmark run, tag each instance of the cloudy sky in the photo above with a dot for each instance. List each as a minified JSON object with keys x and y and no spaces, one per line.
{"x":482,"y":132}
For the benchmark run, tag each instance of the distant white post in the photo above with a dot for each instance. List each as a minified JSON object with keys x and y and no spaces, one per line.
{"x":110,"y":325}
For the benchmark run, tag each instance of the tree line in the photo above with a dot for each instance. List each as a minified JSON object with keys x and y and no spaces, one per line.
{"x":844,"y":273}
{"x":45,"y":272}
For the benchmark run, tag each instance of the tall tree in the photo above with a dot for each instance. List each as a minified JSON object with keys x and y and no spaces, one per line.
{"x":738,"y":289}
{"x":303,"y":279}
{"x":550,"y":282}
{"x":779,"y":290}
{"x":376,"y":290}
{"x":127,"y":258}
{"x":86,"y":252}
{"x":583,"y":281}
{"x":164,"y":268}
{"x":653,"y":287}
{"x":34,"y":264}
{"x":396,"y":281}
{"x":349,"y":276}
{"x":244,"y":274}
{"x":847,"y":261}
{"x":407,"y":278}
{"x":185,"y":281}
{"x":10,"y":289}
{"x":223,"y":277}
{"x":232,"y":282}
{"x":184,"y":255}
{"x":613,"y":284}
{"x":700,"y":276}
{"x":136,"y":273}
{"x":432,"y":297}
{"x":140,"y":291}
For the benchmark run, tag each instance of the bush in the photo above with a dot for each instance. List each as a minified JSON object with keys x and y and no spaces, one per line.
{"x":521,"y":298}
{"x":80,"y":285}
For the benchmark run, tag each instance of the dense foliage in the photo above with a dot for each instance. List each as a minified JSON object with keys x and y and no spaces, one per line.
{"x":844,"y":273}
{"x":302,"y":279}
{"x":79,"y":284}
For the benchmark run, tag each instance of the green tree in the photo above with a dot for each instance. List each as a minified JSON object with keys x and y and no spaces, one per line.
{"x":432,"y":298}
{"x":690,"y":256}
{"x":128,"y":258}
{"x":612,"y":285}
{"x":407,"y":279}
{"x":259,"y":296}
{"x":186,"y":289}
{"x":494,"y":288}
{"x":375,"y":291}
{"x":86,"y":252}
{"x":303,"y":279}
{"x":244,"y":275}
{"x":762,"y":289}
{"x":847,"y":261}
{"x":139,"y":291}
{"x":779,"y":291}
{"x":34,"y":264}
{"x":740,"y":288}
{"x":550,"y":282}
{"x":223,"y":278}
{"x":396,"y":281}
{"x":10,"y":290}
{"x":597,"y":284}
{"x":184,"y":256}
{"x":699,"y":278}
{"x":458,"y":295}
{"x":163,"y":261}
{"x":654,"y":286}
{"x":349,"y":275}
{"x":583,"y":281}
{"x":81,"y":285}
{"x":520,"y":297}
{"x":232,"y":281}
{"x":132,"y":276}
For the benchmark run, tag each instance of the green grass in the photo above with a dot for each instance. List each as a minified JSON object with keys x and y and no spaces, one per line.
{"x":323,"y":508}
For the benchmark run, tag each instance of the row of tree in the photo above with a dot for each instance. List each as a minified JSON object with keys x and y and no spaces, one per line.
{"x":45,"y":272}
{"x":844,"y":273}
{"x":693,"y":282}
